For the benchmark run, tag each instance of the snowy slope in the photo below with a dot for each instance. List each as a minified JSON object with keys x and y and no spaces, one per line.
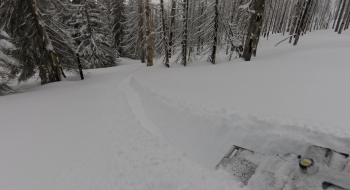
{"x":132,"y":127}
{"x":282,"y":101}
{"x":76,"y":135}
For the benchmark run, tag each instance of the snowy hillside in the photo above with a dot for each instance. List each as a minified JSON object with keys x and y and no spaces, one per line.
{"x":132,"y":127}
{"x":83,"y":135}
{"x":284,"y":100}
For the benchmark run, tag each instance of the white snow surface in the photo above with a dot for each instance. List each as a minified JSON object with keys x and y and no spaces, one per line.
{"x":83,"y":135}
{"x":287,"y":98}
{"x":132,"y":127}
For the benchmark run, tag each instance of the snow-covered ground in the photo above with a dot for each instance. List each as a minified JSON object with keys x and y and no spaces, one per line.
{"x":83,"y":135}
{"x":285,"y":99}
{"x":132,"y":127}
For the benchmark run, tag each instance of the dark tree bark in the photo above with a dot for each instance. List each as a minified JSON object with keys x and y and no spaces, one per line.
{"x":340,"y":16}
{"x":215,"y":34}
{"x":345,"y":19}
{"x":141,"y":34}
{"x":297,"y":16}
{"x":300,"y":25}
{"x":80,"y":68}
{"x":337,"y":12}
{"x":254,"y":29}
{"x":185,"y":33}
{"x":199,"y":43}
{"x":172,"y":27}
{"x":165,"y":35}
{"x":149,"y":34}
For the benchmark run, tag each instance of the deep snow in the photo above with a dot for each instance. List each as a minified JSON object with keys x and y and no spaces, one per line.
{"x":132,"y":127}
{"x":83,"y":135}
{"x":287,"y":98}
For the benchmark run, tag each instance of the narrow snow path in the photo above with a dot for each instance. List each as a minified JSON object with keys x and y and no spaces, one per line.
{"x":135,"y":102}
{"x":83,"y":135}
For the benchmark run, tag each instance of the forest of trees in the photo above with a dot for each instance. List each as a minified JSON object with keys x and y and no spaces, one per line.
{"x":47,"y":38}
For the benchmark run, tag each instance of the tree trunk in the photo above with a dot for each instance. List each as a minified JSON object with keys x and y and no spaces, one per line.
{"x":80,"y":68}
{"x":340,"y":16}
{"x":346,"y":17}
{"x":172,"y":27}
{"x":297,"y":16}
{"x":86,"y":11}
{"x":141,"y":33}
{"x":253,"y":30}
{"x":301,"y":22}
{"x":56,"y":71}
{"x":199,"y":43}
{"x":149,"y":34}
{"x":347,"y":23}
{"x":165,"y":35}
{"x":185,"y":32}
{"x":215,"y":34}
{"x":337,"y":12}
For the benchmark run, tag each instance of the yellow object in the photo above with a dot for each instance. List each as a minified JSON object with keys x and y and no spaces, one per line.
{"x":305,"y":162}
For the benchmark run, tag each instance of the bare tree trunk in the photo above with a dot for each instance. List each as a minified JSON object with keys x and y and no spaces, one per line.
{"x":310,"y":20}
{"x":185,"y":33}
{"x":190,"y":29}
{"x":271,"y":20}
{"x":165,"y":35}
{"x":347,"y":23}
{"x":346,"y":17}
{"x":292,"y":18}
{"x":280,"y":27}
{"x":301,"y":22}
{"x":172,"y":27}
{"x":199,"y":44}
{"x":149,"y":34}
{"x":215,"y":34}
{"x":141,"y":33}
{"x":56,"y":70}
{"x":80,"y":68}
{"x":336,"y":14}
{"x":297,"y":17}
{"x":253,"y":30}
{"x":279,"y":9}
{"x":340,"y":15}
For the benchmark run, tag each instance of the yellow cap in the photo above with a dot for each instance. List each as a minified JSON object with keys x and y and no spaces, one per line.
{"x":305,"y":162}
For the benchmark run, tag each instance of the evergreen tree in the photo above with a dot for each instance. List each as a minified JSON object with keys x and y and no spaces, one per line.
{"x":149,"y":35}
{"x":117,"y":8}
{"x":209,"y":31}
{"x":91,"y":33}
{"x":43,"y":45}
{"x":133,"y":39}
{"x":6,"y":62}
